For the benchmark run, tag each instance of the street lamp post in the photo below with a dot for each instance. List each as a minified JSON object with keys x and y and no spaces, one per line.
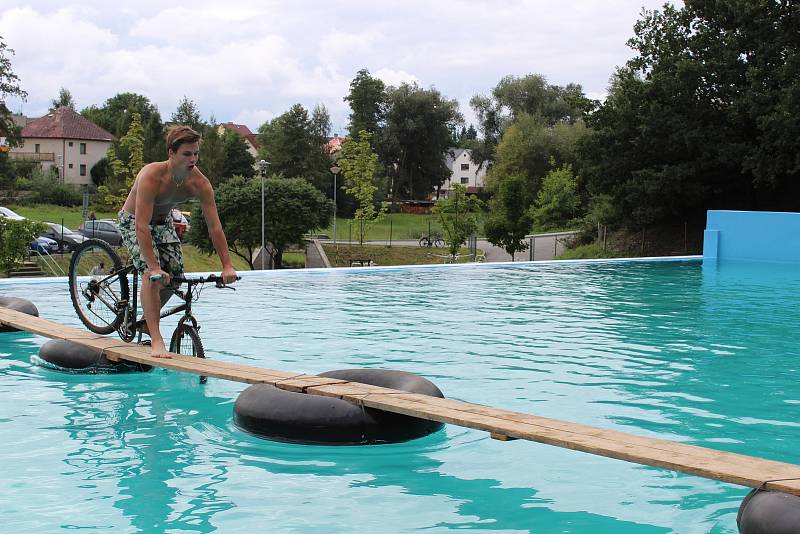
{"x":262,"y":169}
{"x":335,"y":170}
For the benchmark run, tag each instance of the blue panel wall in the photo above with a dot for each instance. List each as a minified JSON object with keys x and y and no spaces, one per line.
{"x":752,"y":236}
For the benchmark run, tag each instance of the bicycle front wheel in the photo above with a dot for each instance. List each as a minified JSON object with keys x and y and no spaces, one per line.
{"x":186,"y":340}
{"x":439,"y":242}
{"x":424,"y":242}
{"x":98,"y":286}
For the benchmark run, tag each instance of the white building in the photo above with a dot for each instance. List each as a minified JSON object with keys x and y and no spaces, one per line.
{"x":463,"y":171}
{"x":65,"y":140}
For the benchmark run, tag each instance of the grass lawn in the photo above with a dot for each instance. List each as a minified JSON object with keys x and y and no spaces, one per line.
{"x":382,"y":255}
{"x":393,"y":226}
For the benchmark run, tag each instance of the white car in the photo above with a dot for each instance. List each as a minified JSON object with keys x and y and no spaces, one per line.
{"x":9,"y":214}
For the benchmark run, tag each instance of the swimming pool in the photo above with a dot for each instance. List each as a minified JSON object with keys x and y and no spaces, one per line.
{"x":670,"y":349}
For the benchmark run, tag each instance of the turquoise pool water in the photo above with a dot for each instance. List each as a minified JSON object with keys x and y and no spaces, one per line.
{"x":702,"y":355}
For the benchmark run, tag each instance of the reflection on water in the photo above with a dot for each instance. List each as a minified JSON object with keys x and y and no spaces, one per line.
{"x":669,"y":349}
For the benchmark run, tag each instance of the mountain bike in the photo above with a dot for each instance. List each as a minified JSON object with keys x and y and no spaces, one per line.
{"x":431,"y":241}
{"x":104,"y":293}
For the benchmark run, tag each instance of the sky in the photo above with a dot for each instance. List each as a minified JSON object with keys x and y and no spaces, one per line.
{"x":248,"y":61}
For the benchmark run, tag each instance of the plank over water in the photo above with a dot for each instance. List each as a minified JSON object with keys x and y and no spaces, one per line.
{"x":501,"y":424}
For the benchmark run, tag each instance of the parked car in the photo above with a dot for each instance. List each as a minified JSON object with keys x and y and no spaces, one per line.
{"x":66,"y":238}
{"x":44,"y":245}
{"x":10,"y":214}
{"x":180,"y":221}
{"x":105,"y":229}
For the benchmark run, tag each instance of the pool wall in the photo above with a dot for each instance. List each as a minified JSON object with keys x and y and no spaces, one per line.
{"x":752,"y":236}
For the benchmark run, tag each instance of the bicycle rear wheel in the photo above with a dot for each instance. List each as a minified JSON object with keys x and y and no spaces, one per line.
{"x":186,"y":340}
{"x":439,"y":242}
{"x":424,"y":242}
{"x":98,"y":286}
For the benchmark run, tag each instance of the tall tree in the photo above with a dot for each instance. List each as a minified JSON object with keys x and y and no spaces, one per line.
{"x":212,"y":154}
{"x":530,"y":95}
{"x":291,"y":144}
{"x":704,"y":116}
{"x":510,"y":217}
{"x":124,"y":168}
{"x":458,"y":216}
{"x":187,"y":114}
{"x":116,"y":114}
{"x":359,"y":163}
{"x":415,"y":139}
{"x":9,"y":86}
{"x":557,"y":202}
{"x":367,"y":99}
{"x":64,"y":100}
{"x":237,"y":159}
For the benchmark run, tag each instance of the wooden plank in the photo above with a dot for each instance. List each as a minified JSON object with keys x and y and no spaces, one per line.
{"x":501,"y":424}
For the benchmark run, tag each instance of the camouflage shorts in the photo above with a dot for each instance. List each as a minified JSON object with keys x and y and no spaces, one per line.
{"x":166,"y":245}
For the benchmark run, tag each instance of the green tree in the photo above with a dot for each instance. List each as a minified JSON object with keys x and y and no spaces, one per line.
{"x":291,"y":144}
{"x":530,"y":95}
{"x":557,"y":201}
{"x":124,"y":168}
{"x":293,"y":208}
{"x":367,"y":99}
{"x":15,"y":240}
{"x":510,"y":219}
{"x":9,"y":86}
{"x":237,"y":158}
{"x":116,"y":114}
{"x":458,"y":216}
{"x":359,"y":164}
{"x":212,"y":154}
{"x":704,"y":116}
{"x":64,"y":100}
{"x":415,"y":139}
{"x":187,"y":114}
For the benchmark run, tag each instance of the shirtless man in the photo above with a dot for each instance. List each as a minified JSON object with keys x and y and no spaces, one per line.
{"x":147,"y":228}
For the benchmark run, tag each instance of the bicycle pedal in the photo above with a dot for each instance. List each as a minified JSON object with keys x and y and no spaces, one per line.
{"x":145,"y":342}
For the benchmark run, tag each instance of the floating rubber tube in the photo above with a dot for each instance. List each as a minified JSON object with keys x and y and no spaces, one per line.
{"x":75,"y":358}
{"x":266,"y":411}
{"x":20,"y":305}
{"x":769,"y":512}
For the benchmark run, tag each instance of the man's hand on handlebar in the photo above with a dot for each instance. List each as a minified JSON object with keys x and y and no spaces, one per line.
{"x":158,"y":276}
{"x":229,"y":275}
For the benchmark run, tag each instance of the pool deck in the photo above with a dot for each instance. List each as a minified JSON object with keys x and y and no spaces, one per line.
{"x":501,"y":424}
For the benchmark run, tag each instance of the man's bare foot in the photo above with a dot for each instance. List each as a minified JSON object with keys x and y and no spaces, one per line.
{"x":158,"y":350}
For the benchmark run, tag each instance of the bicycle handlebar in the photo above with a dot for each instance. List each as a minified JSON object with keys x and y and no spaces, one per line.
{"x":212,"y":278}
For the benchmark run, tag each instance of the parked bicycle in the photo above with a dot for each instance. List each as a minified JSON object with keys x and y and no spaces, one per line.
{"x":431,"y":241}
{"x":101,"y":293}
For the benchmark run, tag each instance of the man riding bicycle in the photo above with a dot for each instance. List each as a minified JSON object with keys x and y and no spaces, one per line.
{"x":148,"y":231}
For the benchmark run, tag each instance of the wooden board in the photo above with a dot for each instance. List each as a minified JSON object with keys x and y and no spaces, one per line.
{"x":501,"y":424}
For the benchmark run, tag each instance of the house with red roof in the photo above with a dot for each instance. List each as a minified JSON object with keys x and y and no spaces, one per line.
{"x":244,"y":131}
{"x":65,"y":140}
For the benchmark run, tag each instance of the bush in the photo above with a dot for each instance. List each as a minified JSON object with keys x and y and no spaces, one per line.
{"x":48,"y":189}
{"x":586,"y":252}
{"x":15,"y":240}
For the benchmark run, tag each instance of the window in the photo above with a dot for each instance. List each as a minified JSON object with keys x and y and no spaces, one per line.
{"x":83,"y":170}
{"x":465,"y":166}
{"x":70,"y":143}
{"x":83,"y":148}
{"x":36,"y":147}
{"x":70,"y":165}
{"x":464,"y":180}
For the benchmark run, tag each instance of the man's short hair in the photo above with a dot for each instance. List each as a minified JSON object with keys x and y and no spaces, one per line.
{"x":178,"y":135}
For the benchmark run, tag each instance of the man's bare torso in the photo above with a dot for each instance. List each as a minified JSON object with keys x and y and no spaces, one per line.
{"x":169,"y":195}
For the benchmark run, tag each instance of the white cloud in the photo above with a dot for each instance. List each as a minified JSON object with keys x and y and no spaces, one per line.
{"x":248,"y":60}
